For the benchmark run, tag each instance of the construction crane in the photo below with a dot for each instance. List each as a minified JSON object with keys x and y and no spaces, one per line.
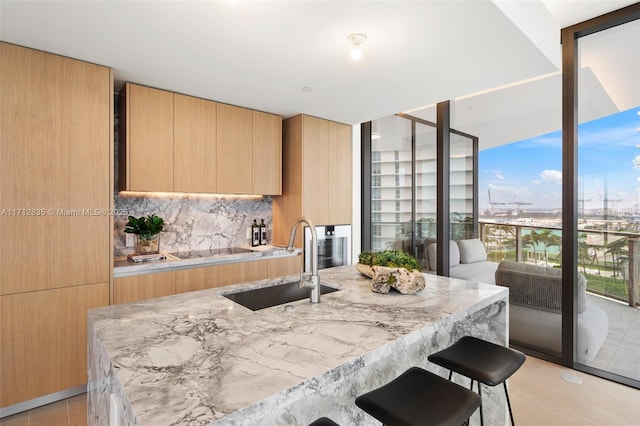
{"x":582,"y":201}
{"x":494,"y":203}
{"x":518,"y":204}
{"x":513,"y":203}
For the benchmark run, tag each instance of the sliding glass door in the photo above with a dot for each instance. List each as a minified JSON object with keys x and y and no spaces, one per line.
{"x":608,"y":321}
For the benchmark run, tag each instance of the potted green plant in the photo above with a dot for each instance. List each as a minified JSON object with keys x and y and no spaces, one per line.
{"x":146,"y":230}
{"x":391,"y":269}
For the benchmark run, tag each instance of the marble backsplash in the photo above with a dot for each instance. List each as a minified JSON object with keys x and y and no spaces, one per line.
{"x":193,"y":221}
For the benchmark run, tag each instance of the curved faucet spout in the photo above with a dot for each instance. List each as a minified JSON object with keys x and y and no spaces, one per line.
{"x":314,"y":281}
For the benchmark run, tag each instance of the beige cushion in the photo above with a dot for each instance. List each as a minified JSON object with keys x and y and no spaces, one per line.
{"x":432,"y":255}
{"x":472,"y":251}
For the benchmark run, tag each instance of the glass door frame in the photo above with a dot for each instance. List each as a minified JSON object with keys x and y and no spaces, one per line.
{"x":570,"y":67}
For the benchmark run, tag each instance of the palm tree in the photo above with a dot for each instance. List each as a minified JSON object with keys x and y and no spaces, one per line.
{"x":532,"y":241}
{"x":548,"y":239}
{"x":616,"y":249}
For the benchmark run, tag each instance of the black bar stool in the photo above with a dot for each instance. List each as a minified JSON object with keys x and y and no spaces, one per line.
{"x":323,"y":421}
{"x":420,"y":398}
{"x":481,"y":361}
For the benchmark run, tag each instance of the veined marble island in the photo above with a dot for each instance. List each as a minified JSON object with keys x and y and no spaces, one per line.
{"x":200,"y":359}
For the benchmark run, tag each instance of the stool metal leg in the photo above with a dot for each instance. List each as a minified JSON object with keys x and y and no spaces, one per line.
{"x":481,"y":415}
{"x":480,"y":394}
{"x":506,"y":393}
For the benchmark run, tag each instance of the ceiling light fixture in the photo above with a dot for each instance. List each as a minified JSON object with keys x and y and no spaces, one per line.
{"x":356,"y":40}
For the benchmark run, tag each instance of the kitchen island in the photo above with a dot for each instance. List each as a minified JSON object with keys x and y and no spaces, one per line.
{"x":198,"y":358}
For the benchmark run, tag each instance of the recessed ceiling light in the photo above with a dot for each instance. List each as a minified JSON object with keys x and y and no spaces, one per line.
{"x":307,"y":89}
{"x":356,"y":40}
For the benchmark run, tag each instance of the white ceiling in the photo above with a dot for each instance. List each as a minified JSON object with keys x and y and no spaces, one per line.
{"x":260,"y":54}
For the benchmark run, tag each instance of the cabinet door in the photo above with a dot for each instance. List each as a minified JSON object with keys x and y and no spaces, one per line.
{"x":141,"y":287}
{"x":340,"y":174}
{"x":149,"y":139}
{"x":194,"y":143}
{"x":235,"y":150}
{"x":55,"y":188}
{"x":235,"y":273}
{"x":315,"y":170}
{"x":282,"y":266}
{"x":267,"y":154}
{"x":43,"y":336}
{"x":220,"y":275}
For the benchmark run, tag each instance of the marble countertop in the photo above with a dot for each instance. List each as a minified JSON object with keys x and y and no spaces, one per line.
{"x":124,"y":268}
{"x":197,"y":357}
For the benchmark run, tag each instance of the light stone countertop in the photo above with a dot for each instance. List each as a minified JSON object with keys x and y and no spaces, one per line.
{"x":124,"y":268}
{"x":198,"y":358}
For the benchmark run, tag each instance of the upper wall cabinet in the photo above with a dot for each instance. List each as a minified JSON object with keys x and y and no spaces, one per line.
{"x":194,"y":144}
{"x":317,"y":166}
{"x":235,"y":151}
{"x":267,"y":153}
{"x":146,"y":138}
{"x":172,"y":142}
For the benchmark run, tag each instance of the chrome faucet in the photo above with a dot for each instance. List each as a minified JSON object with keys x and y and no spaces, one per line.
{"x":308,"y":281}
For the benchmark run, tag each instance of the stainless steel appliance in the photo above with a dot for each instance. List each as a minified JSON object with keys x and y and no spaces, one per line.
{"x":334,"y":246}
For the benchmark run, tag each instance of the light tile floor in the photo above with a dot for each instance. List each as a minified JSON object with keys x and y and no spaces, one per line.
{"x":620,"y":353}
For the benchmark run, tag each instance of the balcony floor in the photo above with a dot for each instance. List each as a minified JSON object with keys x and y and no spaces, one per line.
{"x":620,"y":353}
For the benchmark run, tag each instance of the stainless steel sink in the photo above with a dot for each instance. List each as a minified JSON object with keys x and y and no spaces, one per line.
{"x":266,"y":297}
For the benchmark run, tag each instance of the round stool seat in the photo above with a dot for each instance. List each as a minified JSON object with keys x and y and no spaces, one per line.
{"x":419,"y":398}
{"x":324,"y":421}
{"x":480,"y":360}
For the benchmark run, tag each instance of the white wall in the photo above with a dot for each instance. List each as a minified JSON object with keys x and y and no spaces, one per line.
{"x":356,"y":227}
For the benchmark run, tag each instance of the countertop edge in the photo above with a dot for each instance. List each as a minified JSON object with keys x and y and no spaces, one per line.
{"x":174,"y":264}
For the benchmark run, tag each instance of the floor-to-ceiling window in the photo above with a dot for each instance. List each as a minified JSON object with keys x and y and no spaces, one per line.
{"x":608,"y":168}
{"x":403,"y":190}
{"x":601,"y":83}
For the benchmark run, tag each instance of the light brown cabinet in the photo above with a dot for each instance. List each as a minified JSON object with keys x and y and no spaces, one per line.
{"x":43,"y":336}
{"x":317,"y":175}
{"x":172,"y":142}
{"x":282,"y":266}
{"x":141,"y":287}
{"x":267,"y":153}
{"x":56,"y":188}
{"x":235,"y":150}
{"x":194,"y":144}
{"x":146,"y":139}
{"x":220,"y":275}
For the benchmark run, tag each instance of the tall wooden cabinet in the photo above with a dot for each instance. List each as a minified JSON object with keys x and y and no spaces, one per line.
{"x":317,"y":175}
{"x":56,"y":120}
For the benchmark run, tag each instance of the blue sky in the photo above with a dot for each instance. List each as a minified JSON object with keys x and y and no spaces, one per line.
{"x":531,"y":170}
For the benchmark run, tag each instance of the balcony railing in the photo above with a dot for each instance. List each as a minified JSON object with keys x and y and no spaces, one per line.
{"x":610,"y":260}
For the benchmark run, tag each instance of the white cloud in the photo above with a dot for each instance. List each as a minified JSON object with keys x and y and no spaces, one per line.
{"x":551,"y":176}
{"x":499,"y":175}
{"x":536,"y":182}
{"x":636,"y":162}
